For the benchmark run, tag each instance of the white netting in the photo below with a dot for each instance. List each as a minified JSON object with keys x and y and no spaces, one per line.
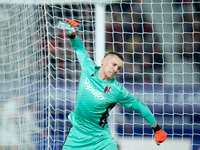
{"x":23,"y":84}
{"x":39,"y":72}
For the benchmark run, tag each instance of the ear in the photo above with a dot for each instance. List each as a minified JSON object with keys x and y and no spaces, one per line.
{"x":103,"y":61}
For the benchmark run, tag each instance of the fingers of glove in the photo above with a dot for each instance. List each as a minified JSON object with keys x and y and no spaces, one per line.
{"x":160,"y":136}
{"x":69,"y":20}
{"x":75,"y":24}
{"x":72,"y":22}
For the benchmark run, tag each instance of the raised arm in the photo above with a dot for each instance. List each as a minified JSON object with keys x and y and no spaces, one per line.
{"x":76,"y":42}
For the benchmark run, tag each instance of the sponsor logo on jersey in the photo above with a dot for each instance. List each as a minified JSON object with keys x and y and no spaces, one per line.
{"x":107,"y":89}
{"x":89,"y":87}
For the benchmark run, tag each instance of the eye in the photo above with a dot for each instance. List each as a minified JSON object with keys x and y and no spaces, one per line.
{"x":119,"y":68}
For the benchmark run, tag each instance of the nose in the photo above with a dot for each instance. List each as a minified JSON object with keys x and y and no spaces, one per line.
{"x":115,"y":68}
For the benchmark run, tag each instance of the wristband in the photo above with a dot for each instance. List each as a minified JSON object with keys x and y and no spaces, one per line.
{"x":72,"y":36}
{"x":156,"y":127}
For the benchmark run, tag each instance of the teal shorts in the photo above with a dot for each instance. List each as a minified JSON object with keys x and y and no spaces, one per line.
{"x":76,"y":140}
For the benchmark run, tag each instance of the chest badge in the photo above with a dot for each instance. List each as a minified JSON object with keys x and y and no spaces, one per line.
{"x":107,"y":89}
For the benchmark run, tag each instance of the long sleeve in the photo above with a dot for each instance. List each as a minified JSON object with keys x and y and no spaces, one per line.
{"x":82,"y":54}
{"x":129,"y":101}
{"x":144,"y":111}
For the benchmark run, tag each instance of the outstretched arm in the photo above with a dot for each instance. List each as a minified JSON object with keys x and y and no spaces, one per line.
{"x":129,"y":101}
{"x":139,"y":106}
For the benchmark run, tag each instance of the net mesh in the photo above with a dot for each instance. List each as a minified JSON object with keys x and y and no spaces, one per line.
{"x":39,"y":72}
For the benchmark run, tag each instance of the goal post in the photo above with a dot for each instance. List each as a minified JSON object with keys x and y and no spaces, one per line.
{"x":39,"y":71}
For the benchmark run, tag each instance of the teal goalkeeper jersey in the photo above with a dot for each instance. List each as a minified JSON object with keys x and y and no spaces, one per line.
{"x":96,"y":97}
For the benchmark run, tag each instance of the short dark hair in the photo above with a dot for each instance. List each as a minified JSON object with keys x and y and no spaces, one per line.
{"x":115,"y":53}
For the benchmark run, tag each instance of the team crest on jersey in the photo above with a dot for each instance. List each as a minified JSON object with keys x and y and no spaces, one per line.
{"x":107,"y":89}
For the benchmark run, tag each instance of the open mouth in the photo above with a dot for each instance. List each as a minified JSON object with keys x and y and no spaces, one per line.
{"x":112,"y":74}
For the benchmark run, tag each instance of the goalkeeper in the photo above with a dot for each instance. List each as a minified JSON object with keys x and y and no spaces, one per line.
{"x":98,"y":93}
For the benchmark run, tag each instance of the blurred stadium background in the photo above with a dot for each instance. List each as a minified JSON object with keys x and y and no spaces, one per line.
{"x":39,"y":72}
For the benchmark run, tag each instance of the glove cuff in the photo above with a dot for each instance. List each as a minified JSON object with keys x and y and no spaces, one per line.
{"x":156,"y":127}
{"x":72,"y":36}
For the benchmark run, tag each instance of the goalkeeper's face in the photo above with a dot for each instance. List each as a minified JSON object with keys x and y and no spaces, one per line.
{"x":111,"y":65}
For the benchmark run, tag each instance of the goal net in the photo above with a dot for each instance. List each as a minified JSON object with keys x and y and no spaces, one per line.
{"x":39,"y":71}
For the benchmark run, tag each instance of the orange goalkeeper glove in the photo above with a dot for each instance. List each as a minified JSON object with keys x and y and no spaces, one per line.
{"x":160,"y":134}
{"x":73,"y":28}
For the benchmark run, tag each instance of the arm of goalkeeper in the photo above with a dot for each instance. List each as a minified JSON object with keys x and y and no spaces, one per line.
{"x":72,"y":28}
{"x":160,"y":134}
